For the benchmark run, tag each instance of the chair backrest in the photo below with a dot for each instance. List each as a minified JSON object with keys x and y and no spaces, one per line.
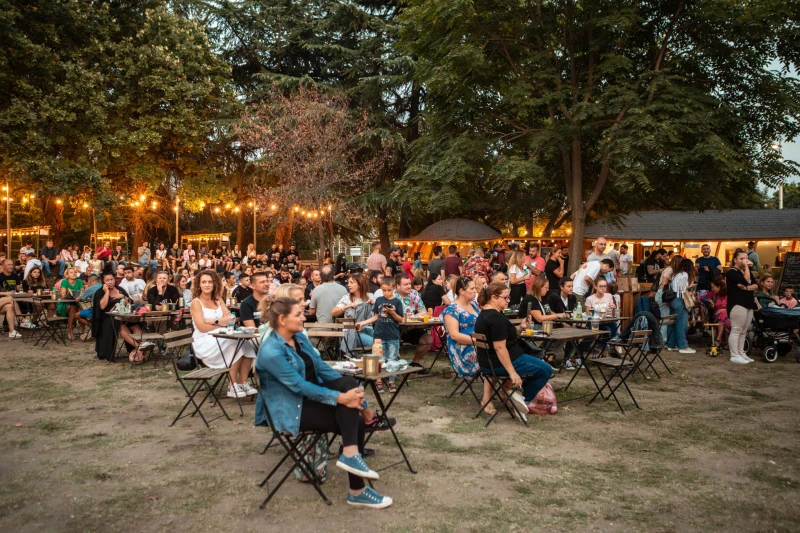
{"x":479,"y":340}
{"x":668,"y":320}
{"x":639,"y":337}
{"x":438,"y":310}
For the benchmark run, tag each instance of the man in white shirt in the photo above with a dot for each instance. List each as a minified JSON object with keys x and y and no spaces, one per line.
{"x":625,"y":259}
{"x":134,"y":287}
{"x":613,"y":254}
{"x":586,"y":276}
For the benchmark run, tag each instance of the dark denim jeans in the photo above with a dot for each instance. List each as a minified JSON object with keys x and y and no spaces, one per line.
{"x":538,"y":371}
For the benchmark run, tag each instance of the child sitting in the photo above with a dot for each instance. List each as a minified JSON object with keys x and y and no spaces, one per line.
{"x":387,"y":315}
{"x":788,"y":299}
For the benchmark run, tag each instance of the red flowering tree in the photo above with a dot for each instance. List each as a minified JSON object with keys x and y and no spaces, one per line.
{"x":310,"y":145}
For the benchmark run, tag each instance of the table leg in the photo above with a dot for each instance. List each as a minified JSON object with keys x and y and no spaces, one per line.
{"x":577,"y":347}
{"x":383,"y":414}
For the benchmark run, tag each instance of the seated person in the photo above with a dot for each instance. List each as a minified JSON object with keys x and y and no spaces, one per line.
{"x":356,"y":304}
{"x":433,"y":292}
{"x":210,"y":315}
{"x":601,"y":298}
{"x":85,"y":300}
{"x":412,"y":305}
{"x":162,"y":292}
{"x":506,"y":355}
{"x":764,"y":294}
{"x":70,"y":288}
{"x":562,"y":301}
{"x":104,"y":327}
{"x":248,"y":309}
{"x":788,"y":301}
{"x":8,"y":284}
{"x":536,"y":299}
{"x":133,"y":287}
{"x":243,"y":290}
{"x":312,"y":396}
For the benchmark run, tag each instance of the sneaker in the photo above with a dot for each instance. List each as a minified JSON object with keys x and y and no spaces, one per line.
{"x":522,"y":406}
{"x":739,"y":360}
{"x":671,"y":349}
{"x":369,"y":498}
{"x":422,"y":372}
{"x":236,"y":391}
{"x":145,"y":344}
{"x":573,"y":363}
{"x":86,"y":335}
{"x":368,"y":452}
{"x":745,"y":356}
{"x":248,"y":389}
{"x":687,"y":350}
{"x":27,"y":324}
{"x":15,"y":335}
{"x":355,"y":465}
{"x":379,"y":423}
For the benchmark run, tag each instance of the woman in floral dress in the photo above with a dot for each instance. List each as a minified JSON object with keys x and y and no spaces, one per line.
{"x":459,"y":319}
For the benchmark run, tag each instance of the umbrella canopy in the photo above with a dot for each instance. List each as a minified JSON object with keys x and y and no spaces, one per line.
{"x":457,"y":229}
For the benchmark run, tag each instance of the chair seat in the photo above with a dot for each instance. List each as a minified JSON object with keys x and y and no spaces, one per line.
{"x":149,"y":336}
{"x":204,"y":373}
{"x":57,"y":319}
{"x":610,"y":361}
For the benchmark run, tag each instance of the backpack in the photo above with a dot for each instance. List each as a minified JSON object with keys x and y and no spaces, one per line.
{"x":317,"y":457}
{"x":641,"y":272}
{"x":545,"y":402}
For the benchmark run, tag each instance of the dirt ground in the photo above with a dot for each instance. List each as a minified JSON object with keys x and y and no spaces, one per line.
{"x":86,"y":447}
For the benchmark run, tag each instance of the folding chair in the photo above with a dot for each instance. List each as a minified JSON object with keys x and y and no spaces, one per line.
{"x":151,"y":336}
{"x":621,"y":367}
{"x":28,"y":315}
{"x":653,"y":353}
{"x":439,"y":334}
{"x":174,"y":345}
{"x":292,"y":446}
{"x":498,"y":391}
{"x":201,"y":379}
{"x":53,"y":329}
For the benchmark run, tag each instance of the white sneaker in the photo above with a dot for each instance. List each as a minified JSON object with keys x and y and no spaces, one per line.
{"x":522,"y":406}
{"x":86,"y":335}
{"x":15,"y":335}
{"x":248,"y":389}
{"x":745,"y":356}
{"x":236,"y":391}
{"x":27,"y":324}
{"x":687,"y":350}
{"x":739,"y":360}
{"x":671,"y":349}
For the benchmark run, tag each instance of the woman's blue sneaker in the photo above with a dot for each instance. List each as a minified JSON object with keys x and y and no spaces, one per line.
{"x":356,"y":466}
{"x":369,"y":498}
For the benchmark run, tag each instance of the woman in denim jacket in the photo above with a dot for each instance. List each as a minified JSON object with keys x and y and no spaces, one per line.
{"x":305,"y":394}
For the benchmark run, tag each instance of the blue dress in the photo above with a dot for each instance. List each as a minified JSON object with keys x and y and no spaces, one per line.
{"x":462,"y":357}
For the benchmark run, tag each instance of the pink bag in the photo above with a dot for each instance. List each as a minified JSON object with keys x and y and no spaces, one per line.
{"x":545,"y":402}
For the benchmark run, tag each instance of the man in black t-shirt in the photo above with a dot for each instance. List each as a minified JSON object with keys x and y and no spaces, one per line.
{"x":243,"y":290}
{"x":393,"y":266}
{"x":248,"y":309}
{"x":652,"y":265}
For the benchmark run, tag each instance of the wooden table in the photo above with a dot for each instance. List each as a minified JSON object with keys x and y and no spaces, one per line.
{"x":384,"y":408}
{"x":588,"y":321}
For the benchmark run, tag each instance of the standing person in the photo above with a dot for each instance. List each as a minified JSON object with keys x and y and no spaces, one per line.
{"x":652,"y":265}
{"x":518,"y":275}
{"x":682,"y":280}
{"x":393,"y":266}
{"x":565,"y":257}
{"x":752,"y":256}
{"x":741,"y":303}
{"x":585,"y":278}
{"x":599,"y":252}
{"x":477,"y":265}
{"x":452,"y":263}
{"x":535,"y":263}
{"x":436,"y":264}
{"x":375,"y":277}
{"x":707,"y":268}
{"x":387,"y":313}
{"x":209,"y":315}
{"x":248,"y":309}
{"x":554,"y":269}
{"x":408,"y":268}
{"x":614,"y":254}
{"x":417,"y":266}
{"x":310,"y":395}
{"x":506,"y":353}
{"x":50,"y":258}
{"x":459,"y":320}
{"x":625,"y":260}
{"x":326,"y":296}
{"x":376,"y":260}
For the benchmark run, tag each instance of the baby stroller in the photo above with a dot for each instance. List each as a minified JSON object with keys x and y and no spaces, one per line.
{"x":774,"y":331}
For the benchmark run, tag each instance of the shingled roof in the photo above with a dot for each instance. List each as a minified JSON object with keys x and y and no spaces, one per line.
{"x":458,"y":229}
{"x":735,"y":224}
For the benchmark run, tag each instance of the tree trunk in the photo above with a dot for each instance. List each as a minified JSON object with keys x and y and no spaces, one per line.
{"x":330,"y":221}
{"x":321,"y":230}
{"x":240,"y":217}
{"x":575,"y":197}
{"x":53,"y":215}
{"x":404,"y":231}
{"x":531,"y":226}
{"x":383,"y":230}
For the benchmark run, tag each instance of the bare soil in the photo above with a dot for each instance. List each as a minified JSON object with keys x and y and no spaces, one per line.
{"x":86,"y":447}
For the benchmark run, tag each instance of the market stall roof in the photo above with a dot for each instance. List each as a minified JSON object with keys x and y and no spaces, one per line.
{"x":457,"y":229}
{"x":734,"y":224}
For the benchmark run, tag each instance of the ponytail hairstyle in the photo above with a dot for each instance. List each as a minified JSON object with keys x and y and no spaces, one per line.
{"x":279,"y":307}
{"x":265,"y":304}
{"x":493,"y":289}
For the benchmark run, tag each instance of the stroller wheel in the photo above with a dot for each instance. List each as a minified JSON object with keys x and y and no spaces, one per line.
{"x":748,"y":345}
{"x":797,"y":353}
{"x":770,"y":354}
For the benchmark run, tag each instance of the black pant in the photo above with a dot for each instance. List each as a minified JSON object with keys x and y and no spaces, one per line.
{"x":339,"y":419}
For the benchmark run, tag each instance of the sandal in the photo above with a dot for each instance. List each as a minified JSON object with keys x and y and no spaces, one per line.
{"x":392,"y":387}
{"x":489,"y":409}
{"x":379,"y":387}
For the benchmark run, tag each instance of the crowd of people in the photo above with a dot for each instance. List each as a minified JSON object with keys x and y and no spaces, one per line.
{"x":276,"y":293}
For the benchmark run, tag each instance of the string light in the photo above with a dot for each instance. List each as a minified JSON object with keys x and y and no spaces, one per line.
{"x":236,"y":209}
{"x":273,"y":207}
{"x":202,"y":205}
{"x":248,"y":205}
{"x":296,"y":208}
{"x":59,"y":201}
{"x":216,"y":209}
{"x":142,"y":198}
{"x":85,"y":205}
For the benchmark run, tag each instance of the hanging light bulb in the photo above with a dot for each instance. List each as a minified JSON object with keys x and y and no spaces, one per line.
{"x":142,"y":198}
{"x":273,"y":207}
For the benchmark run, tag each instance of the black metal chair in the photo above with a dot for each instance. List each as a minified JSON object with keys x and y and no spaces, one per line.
{"x":202,"y":379}
{"x":496,"y":382}
{"x":620,"y":367}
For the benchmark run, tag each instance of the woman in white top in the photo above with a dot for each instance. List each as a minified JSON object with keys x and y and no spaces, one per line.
{"x":663,"y":281}
{"x":450,"y":283}
{"x":518,"y":274}
{"x":210,"y":315}
{"x":682,"y":281}
{"x":357,"y":304}
{"x":601,"y":297}
{"x":161,"y":257}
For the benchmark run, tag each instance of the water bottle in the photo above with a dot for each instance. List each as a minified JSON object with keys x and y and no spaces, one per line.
{"x":232,"y":325}
{"x":578,"y":311}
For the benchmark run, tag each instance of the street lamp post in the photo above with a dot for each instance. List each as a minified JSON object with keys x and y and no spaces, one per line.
{"x":177,"y":215}
{"x":8,"y":219}
{"x":255,"y":226}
